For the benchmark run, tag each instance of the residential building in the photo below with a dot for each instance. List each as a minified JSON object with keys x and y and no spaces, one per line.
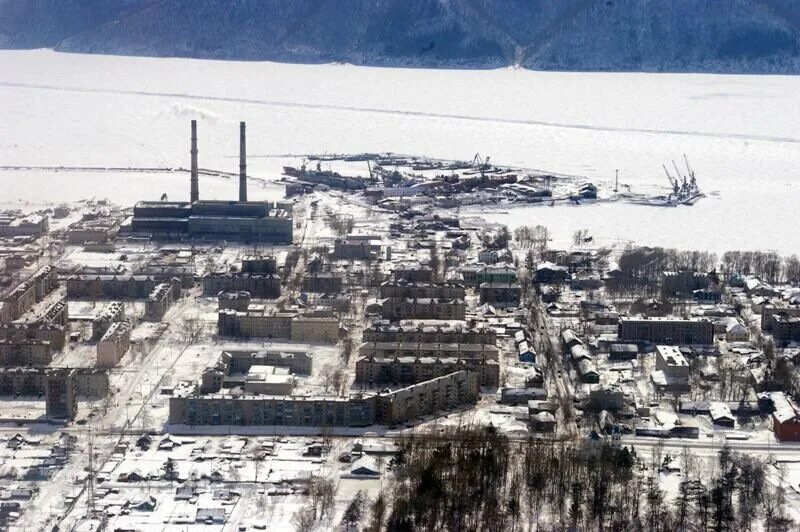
{"x":25,"y":352}
{"x":692,"y":331}
{"x":422,"y":350}
{"x":420,"y":332}
{"x":263,"y":264}
{"x":671,"y":361}
{"x":785,"y":417}
{"x":785,"y":329}
{"x":114,"y":311}
{"x":375,"y":371}
{"x":422,"y":290}
{"x":87,"y":286}
{"x":323,"y":282}
{"x":501,"y":294}
{"x":412,"y":272}
{"x":158,"y":302}
{"x":114,"y":344}
{"x":239,"y":300}
{"x":683,"y":282}
{"x":315,"y":330}
{"x":356,"y":248}
{"x":260,"y":285}
{"x":426,"y":308}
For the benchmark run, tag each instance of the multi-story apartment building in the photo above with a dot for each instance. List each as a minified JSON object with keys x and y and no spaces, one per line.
{"x":323,"y":282}
{"x":672,"y":331}
{"x":422,"y":333}
{"x":424,"y":309}
{"x":412,"y":349}
{"x":375,"y":371}
{"x":158,"y":302}
{"x":114,"y":344}
{"x":114,"y":311}
{"x":260,"y":285}
{"x":420,"y":290}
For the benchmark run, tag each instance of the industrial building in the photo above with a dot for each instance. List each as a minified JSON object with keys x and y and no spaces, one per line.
{"x":14,"y":223}
{"x":241,"y":221}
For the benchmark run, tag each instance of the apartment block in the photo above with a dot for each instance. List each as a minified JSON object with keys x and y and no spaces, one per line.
{"x":114,"y":344}
{"x":672,"y":331}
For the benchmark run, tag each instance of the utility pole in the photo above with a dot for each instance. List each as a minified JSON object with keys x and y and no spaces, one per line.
{"x":90,"y":487}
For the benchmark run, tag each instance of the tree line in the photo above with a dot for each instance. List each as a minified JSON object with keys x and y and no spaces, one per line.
{"x":478,"y":479}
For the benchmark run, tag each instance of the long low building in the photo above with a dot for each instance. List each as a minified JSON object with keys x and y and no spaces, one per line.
{"x":412,"y":290}
{"x":242,"y":221}
{"x":188,"y":406}
{"x":264,"y":322}
{"x":395,"y":308}
{"x":258,"y":285}
{"x":87,"y":286}
{"x":405,"y":349}
{"x":424,"y":333}
{"x":60,"y":387}
{"x":25,"y":352}
{"x":670,"y":331}
{"x":375,"y":371}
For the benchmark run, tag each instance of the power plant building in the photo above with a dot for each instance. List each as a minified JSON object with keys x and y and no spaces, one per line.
{"x":242,"y":220}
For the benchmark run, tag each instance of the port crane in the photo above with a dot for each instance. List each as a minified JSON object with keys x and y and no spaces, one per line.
{"x":481,"y":165}
{"x":673,"y":182}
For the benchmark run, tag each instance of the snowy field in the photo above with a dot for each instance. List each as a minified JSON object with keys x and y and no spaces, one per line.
{"x":740,"y":133}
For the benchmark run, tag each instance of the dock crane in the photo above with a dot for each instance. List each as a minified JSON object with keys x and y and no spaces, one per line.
{"x":481,"y":164}
{"x":692,"y":180}
{"x":684,"y":183}
{"x":673,"y":182}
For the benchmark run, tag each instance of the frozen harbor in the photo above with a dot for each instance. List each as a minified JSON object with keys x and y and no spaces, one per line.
{"x":739,"y":132}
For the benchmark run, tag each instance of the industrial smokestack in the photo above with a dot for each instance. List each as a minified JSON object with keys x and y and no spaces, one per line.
{"x":195,"y":190}
{"x":242,"y":164}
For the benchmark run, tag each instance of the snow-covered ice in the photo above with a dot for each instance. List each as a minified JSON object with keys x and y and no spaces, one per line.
{"x":740,"y":133}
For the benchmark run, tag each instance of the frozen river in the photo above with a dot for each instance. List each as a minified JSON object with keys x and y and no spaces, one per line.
{"x":741,"y":133}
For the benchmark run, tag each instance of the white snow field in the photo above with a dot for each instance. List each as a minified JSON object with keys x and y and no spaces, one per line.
{"x":740,"y":133}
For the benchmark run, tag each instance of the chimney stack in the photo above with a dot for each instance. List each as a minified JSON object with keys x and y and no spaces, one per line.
{"x":195,"y":190}
{"x":242,"y":163}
